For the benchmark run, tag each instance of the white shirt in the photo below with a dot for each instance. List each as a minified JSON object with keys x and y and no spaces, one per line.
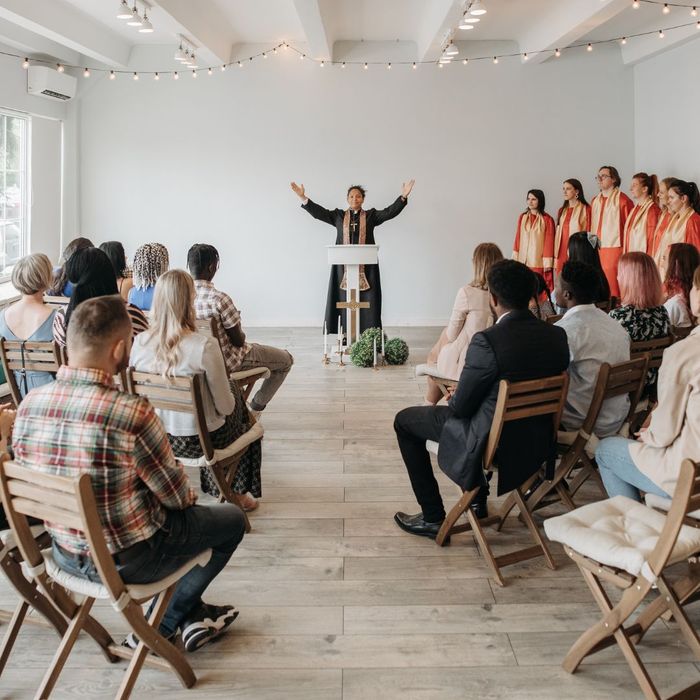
{"x":594,"y":338}
{"x":678,"y":312}
{"x":198,"y":353}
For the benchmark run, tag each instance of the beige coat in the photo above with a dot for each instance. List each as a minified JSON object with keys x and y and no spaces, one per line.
{"x":470,"y":314}
{"x":674,"y":431}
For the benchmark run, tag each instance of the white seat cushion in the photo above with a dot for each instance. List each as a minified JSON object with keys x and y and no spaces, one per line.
{"x":431,"y":371}
{"x":661,"y":503}
{"x":618,"y":532}
{"x":138,"y":592}
{"x":7,"y":539}
{"x":255,"y":433}
{"x":566,"y":437}
{"x":432,"y":447}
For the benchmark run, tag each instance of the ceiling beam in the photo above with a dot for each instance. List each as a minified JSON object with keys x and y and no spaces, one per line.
{"x":438,"y":20}
{"x":63,"y":24}
{"x":643,"y":47}
{"x":35,"y":46}
{"x":202,"y":23}
{"x":566,"y":23}
{"x":311,"y":18}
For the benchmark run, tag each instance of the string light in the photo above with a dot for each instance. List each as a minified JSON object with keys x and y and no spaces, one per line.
{"x":194,"y":73}
{"x":441,"y":64}
{"x":495,"y":60}
{"x":525,"y":57}
{"x":366,"y":67}
{"x":60,"y":68}
{"x":25,"y":63}
{"x":264,"y":55}
{"x":223,"y":67}
{"x":557,"y":53}
{"x":136,"y":75}
{"x":343,"y":65}
{"x":698,"y":25}
{"x":661,"y":34}
{"x":176,"y":76}
{"x":666,"y":9}
{"x":240,"y":65}
{"x":323,"y":63}
{"x":589,"y":47}
{"x":302,"y":57}
{"x":86,"y":73}
{"x":112,"y":75}
{"x":624,"y":40}
{"x":388,"y":66}
{"x":694,"y":12}
{"x":465,"y":61}
{"x":156,"y":76}
{"x":635,"y":5}
{"x":274,"y":51}
{"x":415,"y":65}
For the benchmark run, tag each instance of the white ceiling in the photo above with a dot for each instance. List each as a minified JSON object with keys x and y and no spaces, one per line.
{"x":90,"y":27}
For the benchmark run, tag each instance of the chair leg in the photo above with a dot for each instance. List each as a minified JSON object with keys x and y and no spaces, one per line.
{"x":13,"y":629}
{"x":149,"y":638}
{"x":532,"y":527}
{"x":484,"y":547}
{"x":224,"y":474}
{"x":686,"y":628}
{"x":453,"y":516}
{"x":64,"y":649}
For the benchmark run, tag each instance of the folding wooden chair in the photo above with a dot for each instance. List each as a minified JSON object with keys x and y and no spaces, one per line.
{"x":71,"y":503}
{"x":23,"y":356}
{"x":246,"y":379}
{"x":680,"y":332}
{"x":56,"y":302}
{"x":578,"y":447}
{"x":516,"y":401}
{"x":445,"y":384}
{"x":184,"y":394}
{"x":629,"y":545}
{"x":655,"y":349}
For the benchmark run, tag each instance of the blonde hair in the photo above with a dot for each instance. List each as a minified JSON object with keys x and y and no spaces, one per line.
{"x":485,"y":255}
{"x":32,"y":274}
{"x":172,"y":317}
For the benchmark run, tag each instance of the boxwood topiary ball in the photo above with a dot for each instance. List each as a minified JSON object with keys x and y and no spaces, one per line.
{"x":362,"y":353}
{"x":396,"y":351}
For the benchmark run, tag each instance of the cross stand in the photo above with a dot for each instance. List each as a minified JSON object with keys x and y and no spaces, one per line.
{"x":353,"y":307}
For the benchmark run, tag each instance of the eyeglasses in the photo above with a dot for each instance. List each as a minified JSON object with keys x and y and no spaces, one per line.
{"x":603,"y":177}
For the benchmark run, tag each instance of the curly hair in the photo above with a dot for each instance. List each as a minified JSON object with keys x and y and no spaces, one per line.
{"x":151,"y":260}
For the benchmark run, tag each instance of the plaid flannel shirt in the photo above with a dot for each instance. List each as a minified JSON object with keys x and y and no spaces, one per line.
{"x":81,"y":424}
{"x":212,"y":303}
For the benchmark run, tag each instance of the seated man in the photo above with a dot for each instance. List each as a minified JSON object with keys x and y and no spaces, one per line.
{"x":518,"y":347}
{"x":594,"y":338}
{"x":82,"y":423}
{"x":203,"y":263}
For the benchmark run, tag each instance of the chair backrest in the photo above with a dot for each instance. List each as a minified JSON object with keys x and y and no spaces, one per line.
{"x":27,"y":356}
{"x":519,"y":400}
{"x":553,"y":318}
{"x":680,"y":332}
{"x":181,"y":394}
{"x":56,"y":302}
{"x":206,"y":326}
{"x":64,"y":502}
{"x":655,"y":349}
{"x":686,"y":499}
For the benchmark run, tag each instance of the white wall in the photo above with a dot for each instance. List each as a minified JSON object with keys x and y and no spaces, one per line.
{"x":210,"y":160}
{"x":48,"y":121}
{"x":667,"y":104}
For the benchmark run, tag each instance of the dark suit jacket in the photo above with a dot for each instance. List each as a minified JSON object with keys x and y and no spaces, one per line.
{"x":518,"y":348}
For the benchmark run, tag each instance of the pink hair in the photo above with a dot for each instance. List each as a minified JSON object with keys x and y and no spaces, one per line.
{"x":639,"y":280}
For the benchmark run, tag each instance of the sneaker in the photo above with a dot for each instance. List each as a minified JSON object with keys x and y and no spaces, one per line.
{"x":205,"y":624}
{"x":131,"y":641}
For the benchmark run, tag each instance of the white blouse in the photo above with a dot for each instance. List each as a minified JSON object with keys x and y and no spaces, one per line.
{"x":198,"y":353}
{"x":678,"y":312}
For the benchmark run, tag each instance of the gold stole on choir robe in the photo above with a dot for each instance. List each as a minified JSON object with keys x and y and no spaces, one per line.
{"x":531,"y":241}
{"x":364,"y":284}
{"x":577,"y":222}
{"x":635,"y":237}
{"x":661,"y":228}
{"x":605,"y":219}
{"x":675,"y":233}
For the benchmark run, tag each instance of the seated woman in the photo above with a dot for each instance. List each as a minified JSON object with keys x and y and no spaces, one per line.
{"x":150,"y":262}
{"x":61,"y":286}
{"x":30,"y":318}
{"x":92,"y":275}
{"x":172,"y":347}
{"x":651,"y":463}
{"x":585,"y":248}
{"x":470,"y":314}
{"x":115,"y":252}
{"x":641,"y":312}
{"x":682,"y":261}
{"x":541,"y":304}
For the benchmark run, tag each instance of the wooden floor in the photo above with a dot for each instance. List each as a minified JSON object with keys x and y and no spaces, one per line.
{"x":337,"y":602}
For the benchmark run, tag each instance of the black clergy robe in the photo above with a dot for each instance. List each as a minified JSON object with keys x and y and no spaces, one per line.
{"x":372,"y":317}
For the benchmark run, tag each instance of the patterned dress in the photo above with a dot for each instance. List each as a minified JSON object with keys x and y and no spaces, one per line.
{"x":644,"y":324}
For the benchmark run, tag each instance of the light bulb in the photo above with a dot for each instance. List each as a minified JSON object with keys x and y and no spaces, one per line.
{"x":223,"y":67}
{"x":343,"y":65}
{"x":694,"y":12}
{"x":60,"y":68}
{"x":240,"y":65}
{"x":274,"y":51}
{"x":264,"y":55}
{"x":441,"y":64}
{"x":323,"y":63}
{"x":525,"y":57}
{"x":135,"y":20}
{"x":477,"y":8}
{"x":415,"y":66}
{"x":86,"y":73}
{"x":388,"y":66}
{"x":176,"y":76}
{"x":451,"y":50}
{"x":124,"y":11}
{"x":661,"y":34}
{"x":635,"y":5}
{"x":666,"y":9}
{"x":156,"y":76}
{"x":25,"y":63}
{"x":589,"y":47}
{"x":210,"y":71}
{"x":112,"y":75}
{"x":146,"y":27}
{"x":366,"y":67}
{"x":624,"y":40}
{"x":302,"y":57}
{"x":557,"y":53}
{"x":136,"y":76}
{"x":194,"y":73}
{"x":180,"y":55}
{"x":495,"y":60}
{"x":465,"y":61}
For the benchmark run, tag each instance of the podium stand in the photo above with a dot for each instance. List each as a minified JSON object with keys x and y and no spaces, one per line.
{"x":352,"y":256}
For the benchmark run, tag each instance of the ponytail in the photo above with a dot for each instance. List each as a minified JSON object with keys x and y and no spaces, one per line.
{"x":651,"y":182}
{"x":689,"y":190}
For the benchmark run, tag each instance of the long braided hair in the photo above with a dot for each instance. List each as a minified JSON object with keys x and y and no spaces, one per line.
{"x":151,"y":260}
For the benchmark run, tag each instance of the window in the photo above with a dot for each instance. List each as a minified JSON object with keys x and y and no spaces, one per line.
{"x":14,"y":190}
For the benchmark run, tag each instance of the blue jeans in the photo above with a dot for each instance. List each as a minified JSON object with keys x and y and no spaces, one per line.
{"x":184,"y":534}
{"x":620,"y":475}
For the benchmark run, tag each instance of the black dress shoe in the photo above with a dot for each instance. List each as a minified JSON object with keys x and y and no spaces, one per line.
{"x":480,"y":509}
{"x":416,"y":525}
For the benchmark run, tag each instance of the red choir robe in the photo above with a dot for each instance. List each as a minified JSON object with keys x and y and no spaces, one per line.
{"x":534,"y":243}
{"x":683,"y":228}
{"x":572,"y":219}
{"x":661,"y":228}
{"x":609,"y":215}
{"x":640,"y":227}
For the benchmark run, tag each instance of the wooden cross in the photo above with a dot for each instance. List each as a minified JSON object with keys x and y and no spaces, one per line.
{"x":353,"y":305}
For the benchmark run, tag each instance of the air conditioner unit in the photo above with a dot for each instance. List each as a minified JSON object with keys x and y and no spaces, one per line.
{"x":47,"y":82}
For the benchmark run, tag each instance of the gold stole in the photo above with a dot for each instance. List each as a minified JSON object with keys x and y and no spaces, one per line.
{"x":635,"y":239}
{"x":578,"y":221}
{"x":605,"y":219}
{"x":675,"y":233}
{"x":364,"y":284}
{"x":531,"y":241}
{"x":661,"y":228}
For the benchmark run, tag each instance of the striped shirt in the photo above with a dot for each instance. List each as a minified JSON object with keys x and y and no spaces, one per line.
{"x":209,"y":302}
{"x":139,"y":323}
{"x":81,"y":424}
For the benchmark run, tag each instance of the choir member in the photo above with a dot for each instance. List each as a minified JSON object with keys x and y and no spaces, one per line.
{"x":534,"y":237}
{"x":684,"y":204}
{"x":573,"y":217}
{"x":666,"y":216}
{"x":609,"y":212}
{"x":642,"y":221}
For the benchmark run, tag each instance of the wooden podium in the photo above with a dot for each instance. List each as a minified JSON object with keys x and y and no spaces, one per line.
{"x":352,"y":256}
